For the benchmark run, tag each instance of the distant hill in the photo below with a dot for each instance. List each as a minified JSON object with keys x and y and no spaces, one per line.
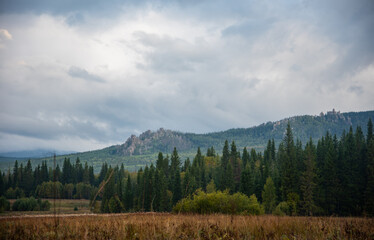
{"x":38,"y":153}
{"x":137,"y":151}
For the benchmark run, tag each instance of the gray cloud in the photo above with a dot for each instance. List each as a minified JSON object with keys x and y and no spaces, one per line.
{"x":196,"y":66}
{"x":83,"y":74}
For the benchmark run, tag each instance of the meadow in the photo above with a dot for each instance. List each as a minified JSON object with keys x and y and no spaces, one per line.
{"x":59,"y":206}
{"x":174,"y":226}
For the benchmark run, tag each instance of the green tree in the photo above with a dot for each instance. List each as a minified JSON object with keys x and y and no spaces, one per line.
{"x":308,"y":180}
{"x":114,"y":204}
{"x":177,"y":188}
{"x":128,"y":196}
{"x":247,"y":181}
{"x":269,"y":196}
{"x":369,"y":192}
{"x":288,"y":164}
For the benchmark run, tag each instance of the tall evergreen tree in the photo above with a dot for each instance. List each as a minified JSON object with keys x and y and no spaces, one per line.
{"x":288,"y":165}
{"x":128,"y":196}
{"x":308,"y":179}
{"x":245,"y":157}
{"x":369,"y":192}
{"x":369,"y":135}
{"x":269,"y":197}
{"x":177,"y":188}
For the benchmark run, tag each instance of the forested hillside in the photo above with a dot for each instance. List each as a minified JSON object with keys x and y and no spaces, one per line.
{"x":138,"y":151}
{"x":331,"y":176}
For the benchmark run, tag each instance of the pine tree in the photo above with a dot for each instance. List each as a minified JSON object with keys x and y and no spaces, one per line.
{"x":369,"y":136}
{"x":308,"y":180}
{"x":28,"y":179}
{"x":223,"y":169}
{"x":108,"y":193}
{"x":247,"y":181}
{"x":229,"y":182}
{"x":2,"y":184}
{"x":269,"y":196}
{"x":160,"y":161}
{"x":288,"y":165}
{"x":15,"y":175}
{"x":369,"y":192}
{"x":177,"y":188}
{"x":128,"y":196}
{"x":245,"y":157}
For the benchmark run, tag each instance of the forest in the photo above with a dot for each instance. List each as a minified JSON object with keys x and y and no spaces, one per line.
{"x":334,"y":176}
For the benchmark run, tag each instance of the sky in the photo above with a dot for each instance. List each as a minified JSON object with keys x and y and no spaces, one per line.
{"x":83,"y":75}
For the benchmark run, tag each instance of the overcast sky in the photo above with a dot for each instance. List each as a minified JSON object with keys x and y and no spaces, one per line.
{"x":82,"y":75}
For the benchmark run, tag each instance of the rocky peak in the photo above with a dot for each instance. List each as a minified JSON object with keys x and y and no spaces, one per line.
{"x":151,"y":142}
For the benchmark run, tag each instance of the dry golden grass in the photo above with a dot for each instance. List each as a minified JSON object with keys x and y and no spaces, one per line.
{"x":169,"y":226}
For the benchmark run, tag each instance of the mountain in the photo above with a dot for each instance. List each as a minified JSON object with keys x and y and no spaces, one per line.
{"x":38,"y":153}
{"x":137,"y":151}
{"x":303,"y":128}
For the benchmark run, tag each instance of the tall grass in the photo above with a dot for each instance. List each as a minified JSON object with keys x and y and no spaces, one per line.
{"x":169,"y":226}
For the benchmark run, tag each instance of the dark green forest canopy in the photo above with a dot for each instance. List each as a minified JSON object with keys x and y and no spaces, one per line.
{"x":331,"y":176}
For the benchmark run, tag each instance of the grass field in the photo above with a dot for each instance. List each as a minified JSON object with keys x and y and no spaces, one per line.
{"x":169,"y":226}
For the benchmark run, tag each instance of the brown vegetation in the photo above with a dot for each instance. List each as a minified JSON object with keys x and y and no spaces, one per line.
{"x":169,"y":226}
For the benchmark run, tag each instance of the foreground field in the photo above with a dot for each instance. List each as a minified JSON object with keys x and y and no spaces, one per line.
{"x":168,"y":226}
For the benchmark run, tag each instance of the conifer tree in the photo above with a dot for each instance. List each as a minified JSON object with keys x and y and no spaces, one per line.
{"x":307,"y":180}
{"x":177,"y":188}
{"x":245,"y":157}
{"x":369,"y":192}
{"x":288,"y":165}
{"x":269,"y":196}
{"x":247,"y":181}
{"x":370,"y":131}
{"x":128,"y":196}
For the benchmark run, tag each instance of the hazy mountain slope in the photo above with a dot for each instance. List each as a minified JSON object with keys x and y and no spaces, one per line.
{"x":140,"y":150}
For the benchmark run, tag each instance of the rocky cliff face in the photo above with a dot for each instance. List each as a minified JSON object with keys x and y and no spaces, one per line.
{"x":150,"y":142}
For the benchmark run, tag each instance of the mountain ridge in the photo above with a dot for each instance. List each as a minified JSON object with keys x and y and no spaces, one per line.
{"x":138,"y":151}
{"x":163,"y":140}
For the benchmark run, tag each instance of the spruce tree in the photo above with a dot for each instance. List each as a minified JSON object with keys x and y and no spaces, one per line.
{"x":245,"y":157}
{"x":177,"y":188}
{"x":128,"y":196}
{"x":247,"y":181}
{"x":369,"y":135}
{"x":269,"y":196}
{"x":369,"y":192}
{"x":308,"y":179}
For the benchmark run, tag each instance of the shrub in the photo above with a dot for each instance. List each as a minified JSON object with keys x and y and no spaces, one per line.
{"x":14,"y":193}
{"x":219,"y":202}
{"x":282,"y":209}
{"x":49,"y":190}
{"x":115,"y":205}
{"x":30,"y":204}
{"x":25,"y":204}
{"x":4,"y":204}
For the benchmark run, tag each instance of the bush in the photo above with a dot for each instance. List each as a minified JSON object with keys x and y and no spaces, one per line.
{"x":30,"y":204}
{"x":49,"y":190}
{"x":14,"y":193}
{"x":4,"y":204}
{"x":25,"y":204}
{"x":282,"y":209}
{"x":115,"y":205}
{"x":219,"y":202}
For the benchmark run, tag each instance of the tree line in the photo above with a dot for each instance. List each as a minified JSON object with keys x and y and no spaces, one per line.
{"x":334,"y":176}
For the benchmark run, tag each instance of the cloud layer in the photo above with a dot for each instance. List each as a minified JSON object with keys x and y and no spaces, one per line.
{"x":80,"y":76}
